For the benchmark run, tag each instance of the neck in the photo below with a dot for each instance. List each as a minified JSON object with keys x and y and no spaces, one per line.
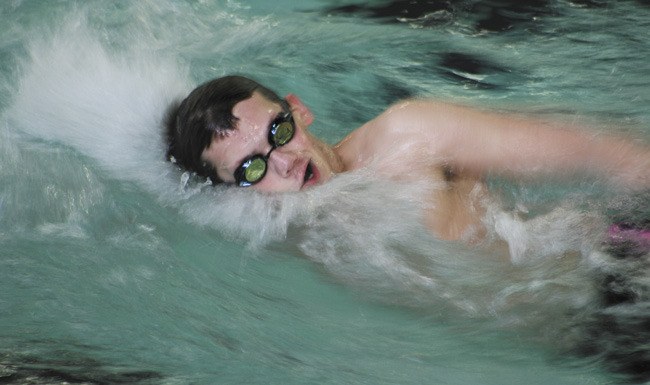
{"x":333,"y":157}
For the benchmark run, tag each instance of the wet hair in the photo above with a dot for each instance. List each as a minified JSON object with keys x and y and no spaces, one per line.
{"x":205,"y":113}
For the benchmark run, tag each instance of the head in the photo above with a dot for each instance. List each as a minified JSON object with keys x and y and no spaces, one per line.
{"x":226,"y":121}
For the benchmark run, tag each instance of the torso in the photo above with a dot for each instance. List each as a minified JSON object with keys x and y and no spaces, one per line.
{"x":452,"y":202}
{"x":455,"y":212}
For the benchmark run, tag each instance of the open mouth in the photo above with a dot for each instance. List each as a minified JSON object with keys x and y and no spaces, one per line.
{"x":309,"y":173}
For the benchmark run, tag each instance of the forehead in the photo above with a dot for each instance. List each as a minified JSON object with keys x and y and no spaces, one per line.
{"x":250,"y":134}
{"x":254,"y":108}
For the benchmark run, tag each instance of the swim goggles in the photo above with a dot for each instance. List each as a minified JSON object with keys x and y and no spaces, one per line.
{"x":253,"y":169}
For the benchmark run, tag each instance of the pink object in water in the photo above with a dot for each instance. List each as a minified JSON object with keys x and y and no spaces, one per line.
{"x":621,"y":233}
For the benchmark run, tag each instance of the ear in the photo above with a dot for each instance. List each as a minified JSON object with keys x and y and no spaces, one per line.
{"x":300,"y":110}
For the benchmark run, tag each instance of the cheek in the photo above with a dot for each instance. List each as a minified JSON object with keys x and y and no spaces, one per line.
{"x":271,"y":184}
{"x":301,"y":140}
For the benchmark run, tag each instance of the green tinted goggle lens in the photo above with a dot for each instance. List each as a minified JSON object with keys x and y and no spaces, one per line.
{"x":282,"y":133}
{"x":253,"y":169}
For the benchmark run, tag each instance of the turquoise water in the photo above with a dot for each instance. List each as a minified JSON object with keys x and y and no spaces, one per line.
{"x":116,"y":268}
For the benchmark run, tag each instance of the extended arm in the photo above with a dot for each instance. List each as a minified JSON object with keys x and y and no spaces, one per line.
{"x":475,"y":141}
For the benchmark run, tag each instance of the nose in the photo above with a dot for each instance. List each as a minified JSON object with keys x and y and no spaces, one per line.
{"x":283,"y":162}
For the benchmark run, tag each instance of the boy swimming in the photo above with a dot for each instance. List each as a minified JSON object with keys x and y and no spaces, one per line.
{"x":234,"y":130}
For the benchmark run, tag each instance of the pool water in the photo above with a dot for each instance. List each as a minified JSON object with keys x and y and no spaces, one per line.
{"x":115,"y":267}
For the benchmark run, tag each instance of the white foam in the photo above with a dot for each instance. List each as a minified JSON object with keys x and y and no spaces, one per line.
{"x":109,"y":108}
{"x":560,"y":231}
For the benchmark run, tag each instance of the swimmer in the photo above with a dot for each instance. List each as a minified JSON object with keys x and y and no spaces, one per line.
{"x":233,"y":130}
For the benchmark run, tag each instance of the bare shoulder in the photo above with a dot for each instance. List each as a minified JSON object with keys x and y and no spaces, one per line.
{"x":406,"y":115}
{"x":424,"y":117}
{"x":404,"y":130}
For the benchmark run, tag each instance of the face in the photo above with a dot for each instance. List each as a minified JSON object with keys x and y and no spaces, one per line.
{"x":302,"y":162}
